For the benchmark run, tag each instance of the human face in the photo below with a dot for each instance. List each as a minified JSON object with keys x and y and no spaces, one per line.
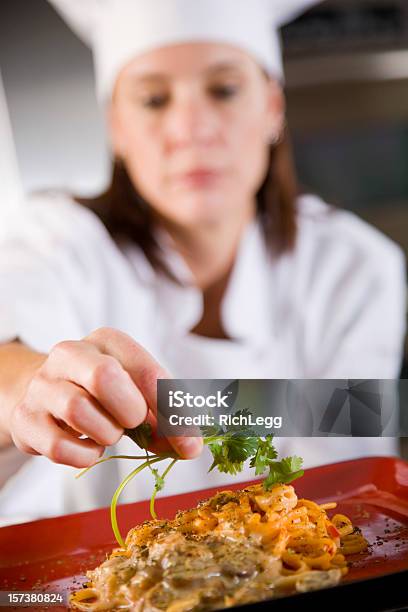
{"x":193,"y":123}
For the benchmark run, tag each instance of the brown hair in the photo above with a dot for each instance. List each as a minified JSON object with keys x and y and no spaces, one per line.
{"x":127,"y":216}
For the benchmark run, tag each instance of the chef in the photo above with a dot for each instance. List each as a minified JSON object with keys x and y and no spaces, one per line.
{"x":201,"y":260}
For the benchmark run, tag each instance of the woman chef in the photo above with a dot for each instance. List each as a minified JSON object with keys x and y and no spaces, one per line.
{"x":200,"y":260}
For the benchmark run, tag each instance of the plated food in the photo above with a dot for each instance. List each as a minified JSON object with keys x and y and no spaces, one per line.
{"x":235,"y":547}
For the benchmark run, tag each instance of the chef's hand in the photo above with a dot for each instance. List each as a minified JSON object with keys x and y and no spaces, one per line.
{"x":95,"y":387}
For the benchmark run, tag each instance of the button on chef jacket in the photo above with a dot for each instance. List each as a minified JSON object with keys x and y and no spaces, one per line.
{"x":332,"y":308}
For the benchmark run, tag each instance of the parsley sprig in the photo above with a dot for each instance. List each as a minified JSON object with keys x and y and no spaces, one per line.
{"x":230,"y":446}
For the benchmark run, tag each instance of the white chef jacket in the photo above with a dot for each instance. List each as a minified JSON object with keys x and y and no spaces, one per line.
{"x":332,"y":308}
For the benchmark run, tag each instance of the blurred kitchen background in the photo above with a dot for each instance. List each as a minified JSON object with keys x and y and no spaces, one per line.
{"x":347,"y":92}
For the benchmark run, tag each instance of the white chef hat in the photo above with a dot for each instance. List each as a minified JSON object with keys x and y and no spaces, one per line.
{"x":119,"y":30}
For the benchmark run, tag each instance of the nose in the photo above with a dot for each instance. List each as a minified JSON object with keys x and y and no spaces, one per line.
{"x":191,"y":122}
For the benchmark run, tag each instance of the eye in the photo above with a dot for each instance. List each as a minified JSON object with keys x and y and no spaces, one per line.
{"x":224,"y":91}
{"x":155,"y":101}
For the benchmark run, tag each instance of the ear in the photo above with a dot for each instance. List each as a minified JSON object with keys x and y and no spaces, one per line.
{"x":115,"y":131}
{"x":276,"y":109}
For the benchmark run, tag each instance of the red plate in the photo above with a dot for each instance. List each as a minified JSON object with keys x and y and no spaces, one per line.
{"x":51,"y":555}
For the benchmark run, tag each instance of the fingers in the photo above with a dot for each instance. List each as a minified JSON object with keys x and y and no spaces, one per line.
{"x":187,"y":448}
{"x":143,"y":369}
{"x":94,"y":387}
{"x":102,"y":376}
{"x":37,"y":433}
{"x":74,"y":407}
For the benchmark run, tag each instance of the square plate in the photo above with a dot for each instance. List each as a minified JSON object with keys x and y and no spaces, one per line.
{"x":52,"y":555}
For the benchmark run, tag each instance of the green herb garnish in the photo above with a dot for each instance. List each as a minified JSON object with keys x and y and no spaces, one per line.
{"x":230,"y":447}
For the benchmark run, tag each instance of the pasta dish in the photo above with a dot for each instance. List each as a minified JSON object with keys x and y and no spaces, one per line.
{"x":235,"y":548}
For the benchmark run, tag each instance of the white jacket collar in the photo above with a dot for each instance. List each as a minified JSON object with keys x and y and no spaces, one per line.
{"x":246,"y":309}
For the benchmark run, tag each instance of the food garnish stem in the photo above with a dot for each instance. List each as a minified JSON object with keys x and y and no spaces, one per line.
{"x":117,"y":493}
{"x":157,"y":489}
{"x":85,"y":470}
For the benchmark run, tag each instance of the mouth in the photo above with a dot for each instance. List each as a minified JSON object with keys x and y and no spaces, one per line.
{"x":199,"y":177}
